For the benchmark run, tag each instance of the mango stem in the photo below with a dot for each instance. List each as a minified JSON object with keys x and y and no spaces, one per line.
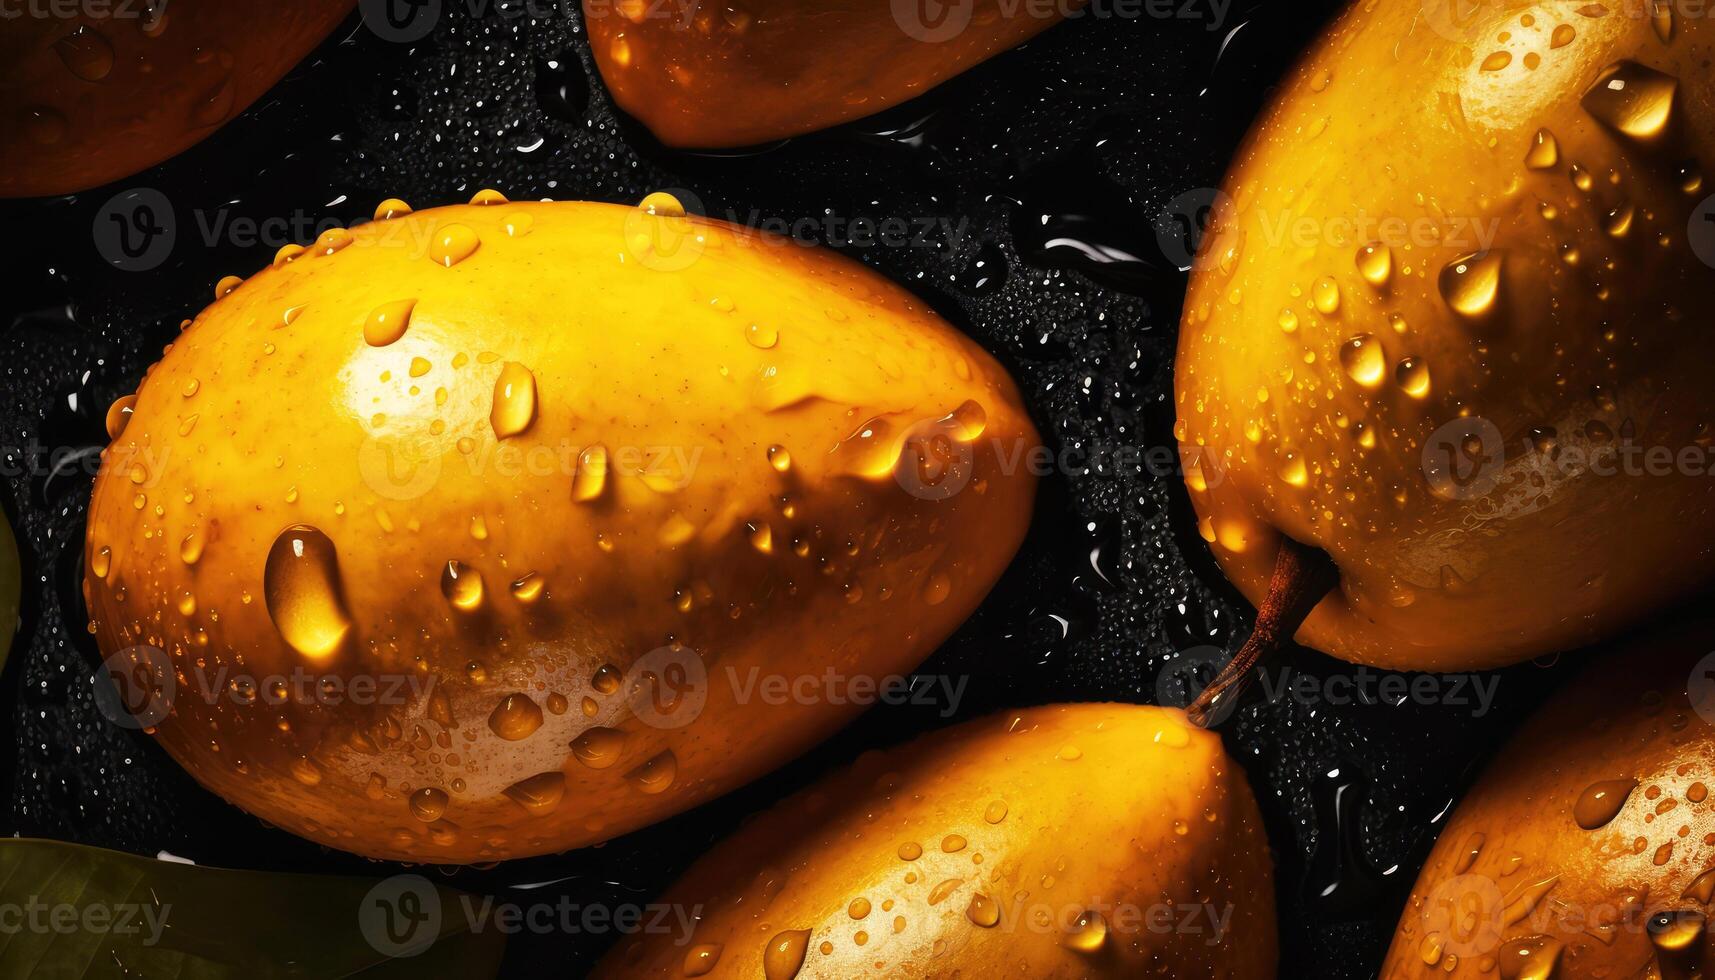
{"x":1303,"y":575}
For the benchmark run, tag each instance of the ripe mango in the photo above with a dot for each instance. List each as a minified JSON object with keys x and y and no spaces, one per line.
{"x":1585,"y":848}
{"x":1084,"y":840}
{"x":700,"y":75}
{"x":501,"y":529}
{"x":114,"y":88}
{"x":1450,"y":325}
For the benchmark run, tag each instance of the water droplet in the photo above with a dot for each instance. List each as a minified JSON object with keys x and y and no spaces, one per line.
{"x":1676,"y":930}
{"x":1089,"y":933}
{"x":1635,"y":99}
{"x":391,"y":208}
{"x":1364,"y":360}
{"x":538,"y":794}
{"x":453,"y":244}
{"x":591,"y":477}
{"x":764,"y":337}
{"x":1293,"y":471}
{"x":662,"y":204}
{"x":1375,"y":263}
{"x":779,"y":458}
{"x":119,"y":414}
{"x":598,"y":748}
{"x":487,"y":197}
{"x":101,"y":562}
{"x":514,"y":407}
{"x":1326,"y":296}
{"x":1497,"y":60}
{"x":701,"y":959}
{"x":388,"y":322}
{"x":784,"y":956}
{"x":1528,"y":958}
{"x":656,"y":774}
{"x":300,"y":585}
{"x":86,"y":54}
{"x":606,"y":679}
{"x":1471,"y":284}
{"x":1562,"y":36}
{"x":1544,"y":151}
{"x":190,"y":549}
{"x":463,"y":586}
{"x":226,"y":285}
{"x":1412,"y":375}
{"x":1619,"y":221}
{"x":996,"y":811}
{"x":1288,"y":322}
{"x":515,"y":718}
{"x":1601,"y":802}
{"x":428,"y":804}
{"x":983,"y":911}
{"x":529,"y":588}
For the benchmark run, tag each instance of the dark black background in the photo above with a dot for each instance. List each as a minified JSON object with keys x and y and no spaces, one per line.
{"x":1085,"y":134}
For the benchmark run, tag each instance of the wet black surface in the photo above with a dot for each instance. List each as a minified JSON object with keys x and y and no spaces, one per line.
{"x":1030,"y":191}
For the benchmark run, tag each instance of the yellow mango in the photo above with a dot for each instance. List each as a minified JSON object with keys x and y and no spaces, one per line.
{"x":501,"y":529}
{"x":1068,"y":841}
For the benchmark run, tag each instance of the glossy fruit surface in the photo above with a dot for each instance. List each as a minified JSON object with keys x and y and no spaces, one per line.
{"x":1450,"y":325}
{"x":1587,"y":849}
{"x":499,"y":529}
{"x":1085,"y":840}
{"x":113,"y":88}
{"x":713,"y":76}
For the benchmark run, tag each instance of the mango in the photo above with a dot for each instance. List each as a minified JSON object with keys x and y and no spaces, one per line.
{"x":1083,"y":840}
{"x":506,"y":528}
{"x":1584,"y":849}
{"x":1448,"y":326}
{"x":100,"y":91}
{"x":712,"y":76}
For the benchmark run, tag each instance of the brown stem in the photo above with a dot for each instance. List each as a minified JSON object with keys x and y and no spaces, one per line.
{"x":1303,"y":575}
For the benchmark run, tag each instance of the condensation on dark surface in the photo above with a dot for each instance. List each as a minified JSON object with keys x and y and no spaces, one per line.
{"x":1032,"y":188}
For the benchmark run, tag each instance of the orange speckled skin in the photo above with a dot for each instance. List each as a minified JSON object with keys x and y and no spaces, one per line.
{"x":1535,"y":871}
{"x":724,"y":76}
{"x":1405,"y":115}
{"x":390,"y":451}
{"x":174,"y":77}
{"x":1105,"y":806}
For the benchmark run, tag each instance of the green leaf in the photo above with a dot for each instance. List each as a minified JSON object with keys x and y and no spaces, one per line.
{"x":68,"y":911}
{"x":11,"y":587}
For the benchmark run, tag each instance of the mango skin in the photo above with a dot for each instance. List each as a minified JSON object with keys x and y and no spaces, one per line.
{"x":1393,"y":119}
{"x":92,"y":99}
{"x":250,"y":425}
{"x":1628,"y":717}
{"x":1059,"y":809}
{"x":718,"y":77}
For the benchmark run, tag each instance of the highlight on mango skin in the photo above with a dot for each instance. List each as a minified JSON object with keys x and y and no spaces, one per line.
{"x":429,"y":558}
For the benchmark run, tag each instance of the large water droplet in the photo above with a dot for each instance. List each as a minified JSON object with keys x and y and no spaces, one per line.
{"x":1601,"y":802}
{"x":515,"y":718}
{"x":86,"y":53}
{"x":453,"y":244}
{"x":387,"y":322}
{"x":301,"y":586}
{"x":514,"y":400}
{"x":1375,"y":263}
{"x":1364,"y":360}
{"x":1635,"y":99}
{"x":784,"y":956}
{"x":591,"y":477}
{"x":1089,"y":934}
{"x":656,"y":774}
{"x":463,"y":586}
{"x":538,"y":794}
{"x":119,"y":414}
{"x":1471,"y":284}
{"x":598,"y":748}
{"x":1544,"y":151}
